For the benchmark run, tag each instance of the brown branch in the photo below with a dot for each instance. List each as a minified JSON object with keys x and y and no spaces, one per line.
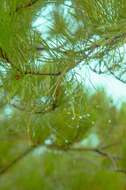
{"x":3,"y":55}
{"x":44,"y":111}
{"x":110,"y":145}
{"x":106,"y":42}
{"x":123,"y":171}
{"x":41,"y":74}
{"x":112,"y":73}
{"x":27,"y":5}
{"x":98,"y":151}
{"x":58,"y":148}
{"x":17,"y":159}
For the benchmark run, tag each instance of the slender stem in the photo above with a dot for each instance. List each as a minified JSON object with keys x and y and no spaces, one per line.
{"x":17,"y":159}
{"x":28,"y":5}
{"x":44,"y":74}
{"x":57,"y":148}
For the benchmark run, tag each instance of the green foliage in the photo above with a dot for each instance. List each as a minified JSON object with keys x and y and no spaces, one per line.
{"x":54,"y":134}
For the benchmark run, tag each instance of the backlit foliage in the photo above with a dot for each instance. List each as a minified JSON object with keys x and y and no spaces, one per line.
{"x":54,"y":133}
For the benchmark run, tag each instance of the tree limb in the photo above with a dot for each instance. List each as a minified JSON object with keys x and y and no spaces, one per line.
{"x":58,"y":148}
{"x":27,"y":5}
{"x":17,"y":159}
{"x":41,"y":74}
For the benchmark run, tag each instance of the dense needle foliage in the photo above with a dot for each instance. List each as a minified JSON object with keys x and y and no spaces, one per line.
{"x":55,"y":134}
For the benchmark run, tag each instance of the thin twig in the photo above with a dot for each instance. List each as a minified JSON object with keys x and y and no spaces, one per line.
{"x":44,"y":111}
{"x":41,"y":74}
{"x":55,"y":147}
{"x":17,"y":159}
{"x":109,"y":145}
{"x":28,"y":5}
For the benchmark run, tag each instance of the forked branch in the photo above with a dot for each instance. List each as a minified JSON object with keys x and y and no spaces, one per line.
{"x":57,"y":148}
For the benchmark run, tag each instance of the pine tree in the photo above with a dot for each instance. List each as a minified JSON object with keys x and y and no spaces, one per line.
{"x":48,"y":118}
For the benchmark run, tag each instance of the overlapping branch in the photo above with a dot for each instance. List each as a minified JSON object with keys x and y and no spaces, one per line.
{"x":27,"y":5}
{"x":55,"y":147}
{"x":17,"y":159}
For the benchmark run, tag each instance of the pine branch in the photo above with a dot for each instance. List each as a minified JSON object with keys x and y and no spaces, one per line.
{"x":59,"y":148}
{"x":28,"y":5}
{"x":41,"y":74}
{"x":44,"y":111}
{"x":16,"y":160}
{"x":3,"y":55}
